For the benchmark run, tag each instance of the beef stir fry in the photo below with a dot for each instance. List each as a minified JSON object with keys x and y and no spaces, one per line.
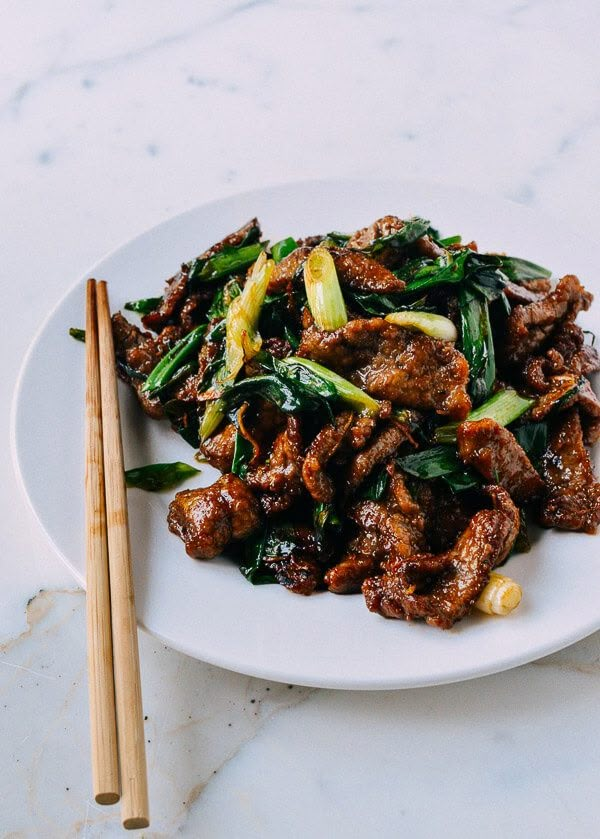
{"x":388,"y":409}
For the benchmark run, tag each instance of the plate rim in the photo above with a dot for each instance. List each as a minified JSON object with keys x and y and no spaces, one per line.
{"x":229,"y":661}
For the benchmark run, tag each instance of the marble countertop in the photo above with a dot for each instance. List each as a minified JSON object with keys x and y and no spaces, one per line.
{"x":116,"y":115}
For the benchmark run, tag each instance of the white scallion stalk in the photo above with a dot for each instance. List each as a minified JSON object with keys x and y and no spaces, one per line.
{"x":323,"y":290}
{"x":504,"y":407}
{"x":242,"y":340}
{"x":211,"y":419}
{"x":500,"y":596}
{"x":437,"y":326}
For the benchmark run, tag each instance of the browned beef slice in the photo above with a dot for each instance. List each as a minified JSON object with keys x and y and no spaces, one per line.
{"x":362,"y":273}
{"x":518,"y":293}
{"x":568,"y":355}
{"x":385,"y":529}
{"x":279,"y":480}
{"x":385,"y":443}
{"x":354,"y":270}
{"x":442,"y":589}
{"x":208,"y":519}
{"x":219,"y":448}
{"x":141,"y":352}
{"x":390,"y":362}
{"x":446,"y":514}
{"x":386,"y":226}
{"x":318,"y":454}
{"x":530,"y":326}
{"x":572,"y":501}
{"x":175,"y":297}
{"x":365,"y":237}
{"x":302,"y":571}
{"x":493,"y":451}
{"x":578,"y":357}
{"x":285,"y":271}
{"x":540,"y":285}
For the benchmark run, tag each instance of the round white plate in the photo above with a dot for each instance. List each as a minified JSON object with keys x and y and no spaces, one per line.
{"x":207,"y":609}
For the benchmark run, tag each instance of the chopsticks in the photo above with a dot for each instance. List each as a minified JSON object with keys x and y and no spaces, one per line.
{"x":113,"y":659}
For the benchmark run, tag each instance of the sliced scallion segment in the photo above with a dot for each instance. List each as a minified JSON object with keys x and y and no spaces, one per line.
{"x":437,"y":326}
{"x":323,"y":290}
{"x":504,"y":407}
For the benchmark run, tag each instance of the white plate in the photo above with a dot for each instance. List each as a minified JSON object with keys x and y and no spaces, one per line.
{"x":207,"y":609}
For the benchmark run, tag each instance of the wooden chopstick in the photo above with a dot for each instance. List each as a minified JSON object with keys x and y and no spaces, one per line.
{"x":103,"y":730}
{"x":128,"y":693}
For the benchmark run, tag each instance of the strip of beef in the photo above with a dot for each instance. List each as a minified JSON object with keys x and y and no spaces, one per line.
{"x":386,"y":226}
{"x":572,"y":501}
{"x":568,"y":355}
{"x":139,"y":352}
{"x":446,"y":514}
{"x":175,"y":300}
{"x":389,"y":362}
{"x":518,"y":293}
{"x":529,"y":327}
{"x":362,"y":273}
{"x":494,"y":452}
{"x":589,"y":412}
{"x":354,"y":270}
{"x":365,"y":237}
{"x":284,"y":273}
{"x":208,"y":519}
{"x":219,"y":448}
{"x":443,"y":588}
{"x":318,"y":454}
{"x":541,"y":285}
{"x":393,"y":527}
{"x":279,"y":480}
{"x":386,"y":443}
{"x":301,"y":571}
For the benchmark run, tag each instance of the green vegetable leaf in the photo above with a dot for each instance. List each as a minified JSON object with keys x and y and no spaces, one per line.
{"x":143,"y":306}
{"x":284,"y":248}
{"x":533,"y":438}
{"x":253,"y":565}
{"x":184,"y":420}
{"x":445,"y":270}
{"x":242,"y":455}
{"x":335,"y":238}
{"x":221,"y":300}
{"x":289,"y":395}
{"x":372,"y":303}
{"x":177,"y":355}
{"x":449,"y":240}
{"x":326,"y":520}
{"x":413,"y":229}
{"x":320,"y":378}
{"x":518,"y":270}
{"x":440,"y":462}
{"x":158,"y":476}
{"x":375,"y":487}
{"x":275,"y":540}
{"x":78,"y":334}
{"x":227,"y":261}
{"x":477,"y":342}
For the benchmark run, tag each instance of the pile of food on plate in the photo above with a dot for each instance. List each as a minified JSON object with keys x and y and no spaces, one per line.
{"x":387,"y":408}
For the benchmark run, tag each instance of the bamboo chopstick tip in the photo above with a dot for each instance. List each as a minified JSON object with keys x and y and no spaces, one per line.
{"x":136,"y":822}
{"x":107,"y":797}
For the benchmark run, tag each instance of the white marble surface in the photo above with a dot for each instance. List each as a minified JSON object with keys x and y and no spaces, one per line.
{"x":115,"y":115}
